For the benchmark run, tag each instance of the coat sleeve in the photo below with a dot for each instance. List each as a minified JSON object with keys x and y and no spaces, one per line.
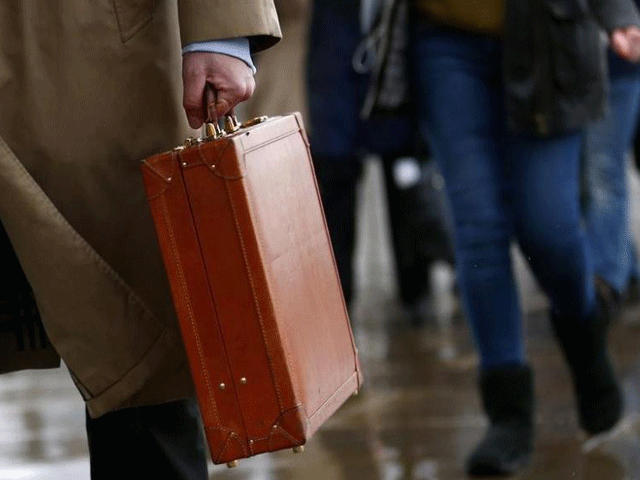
{"x":613,"y":14}
{"x":203,"y":20}
{"x":292,"y":9}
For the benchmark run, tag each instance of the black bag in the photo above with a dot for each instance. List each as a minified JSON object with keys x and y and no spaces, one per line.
{"x":420,"y":223}
{"x":383,"y":54}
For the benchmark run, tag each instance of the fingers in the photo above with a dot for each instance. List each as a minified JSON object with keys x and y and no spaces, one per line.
{"x":210,"y":99}
{"x":194,"y":83}
{"x":228,"y":95}
{"x":625,"y":42}
{"x":230,"y":78}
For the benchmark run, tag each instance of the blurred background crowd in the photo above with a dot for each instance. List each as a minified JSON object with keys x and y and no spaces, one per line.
{"x":481,"y":148}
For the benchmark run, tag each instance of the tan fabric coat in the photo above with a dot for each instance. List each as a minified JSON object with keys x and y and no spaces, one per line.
{"x":88,"y":88}
{"x":281,"y":79}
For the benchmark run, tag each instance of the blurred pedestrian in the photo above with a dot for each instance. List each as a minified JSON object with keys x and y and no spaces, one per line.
{"x":505,"y":91}
{"x":87,"y":90}
{"x":341,"y":139}
{"x":607,"y":145}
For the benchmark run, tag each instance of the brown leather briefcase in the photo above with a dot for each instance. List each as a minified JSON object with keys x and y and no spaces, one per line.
{"x":254,"y":282}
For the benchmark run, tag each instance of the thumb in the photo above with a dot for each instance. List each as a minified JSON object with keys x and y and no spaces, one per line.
{"x":620,"y":44}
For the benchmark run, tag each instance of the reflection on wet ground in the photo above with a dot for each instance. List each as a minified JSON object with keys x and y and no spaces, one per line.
{"x":416,"y":418}
{"x":41,"y":427}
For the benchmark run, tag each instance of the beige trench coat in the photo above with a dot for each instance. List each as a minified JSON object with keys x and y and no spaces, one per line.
{"x":88,"y":88}
{"x":281,"y":85}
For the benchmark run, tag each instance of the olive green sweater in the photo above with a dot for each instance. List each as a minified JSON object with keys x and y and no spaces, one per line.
{"x":480,"y":16}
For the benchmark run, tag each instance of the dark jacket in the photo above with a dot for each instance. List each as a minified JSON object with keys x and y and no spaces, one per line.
{"x":555,"y":68}
{"x":554,"y":62}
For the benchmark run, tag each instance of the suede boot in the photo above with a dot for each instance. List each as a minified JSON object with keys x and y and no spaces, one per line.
{"x":507,"y":395}
{"x":598,"y":393}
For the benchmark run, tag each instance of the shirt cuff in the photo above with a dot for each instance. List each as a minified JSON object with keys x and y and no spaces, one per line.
{"x":234,"y":47}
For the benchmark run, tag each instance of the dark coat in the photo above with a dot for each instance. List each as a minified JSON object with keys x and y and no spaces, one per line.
{"x":554,"y":62}
{"x":555,"y":68}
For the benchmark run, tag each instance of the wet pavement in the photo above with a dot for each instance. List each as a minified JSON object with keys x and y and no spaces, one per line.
{"x":416,"y":418}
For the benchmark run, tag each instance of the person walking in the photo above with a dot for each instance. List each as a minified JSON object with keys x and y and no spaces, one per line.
{"x":505,"y":90}
{"x":607,"y":144}
{"x":341,"y":138}
{"x":88,"y":90}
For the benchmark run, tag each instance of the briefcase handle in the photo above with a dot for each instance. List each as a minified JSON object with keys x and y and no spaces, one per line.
{"x":212,"y":124}
{"x":211,"y":129}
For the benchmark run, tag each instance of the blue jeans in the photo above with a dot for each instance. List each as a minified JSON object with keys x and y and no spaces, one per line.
{"x":501,"y":186}
{"x":606,"y":199}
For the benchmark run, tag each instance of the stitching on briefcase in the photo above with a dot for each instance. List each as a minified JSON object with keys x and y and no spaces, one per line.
{"x":253,"y":293}
{"x":270,"y":141}
{"x":216,"y":168}
{"x":183,"y":288}
{"x":331,"y":399}
{"x":232,"y":435}
{"x":284,"y":433}
{"x":151,"y":168}
{"x":305,"y":139}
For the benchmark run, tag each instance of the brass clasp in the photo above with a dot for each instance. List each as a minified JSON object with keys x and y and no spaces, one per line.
{"x":255,"y":121}
{"x":213,"y":130}
{"x":231,"y":124}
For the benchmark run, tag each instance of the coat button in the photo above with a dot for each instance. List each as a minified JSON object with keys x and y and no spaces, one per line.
{"x":542,"y":123}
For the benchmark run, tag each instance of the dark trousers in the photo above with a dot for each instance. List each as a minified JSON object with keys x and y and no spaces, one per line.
{"x":161,"y":441}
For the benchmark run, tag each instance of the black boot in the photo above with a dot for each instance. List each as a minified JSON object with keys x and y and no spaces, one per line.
{"x":338,"y":180}
{"x":584,"y":344}
{"x":507,"y":395}
{"x":610,"y":301}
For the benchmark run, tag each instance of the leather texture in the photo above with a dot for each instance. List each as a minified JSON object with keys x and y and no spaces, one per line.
{"x":255,"y":286}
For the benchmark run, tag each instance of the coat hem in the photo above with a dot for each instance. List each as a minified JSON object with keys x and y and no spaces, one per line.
{"x":159,"y":358}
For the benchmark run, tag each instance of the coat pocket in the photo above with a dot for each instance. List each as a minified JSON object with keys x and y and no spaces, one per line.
{"x":133,"y":16}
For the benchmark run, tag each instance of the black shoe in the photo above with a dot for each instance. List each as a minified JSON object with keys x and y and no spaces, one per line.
{"x":584,"y":344}
{"x":338,"y":180}
{"x":610,"y":301}
{"x":507,"y":394}
{"x":632,"y":294}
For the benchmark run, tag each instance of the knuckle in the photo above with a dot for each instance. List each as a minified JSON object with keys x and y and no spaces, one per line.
{"x":192,"y":72}
{"x":236,"y":89}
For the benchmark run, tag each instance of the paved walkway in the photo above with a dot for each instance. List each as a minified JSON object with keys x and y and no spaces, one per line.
{"x":417,"y":417}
